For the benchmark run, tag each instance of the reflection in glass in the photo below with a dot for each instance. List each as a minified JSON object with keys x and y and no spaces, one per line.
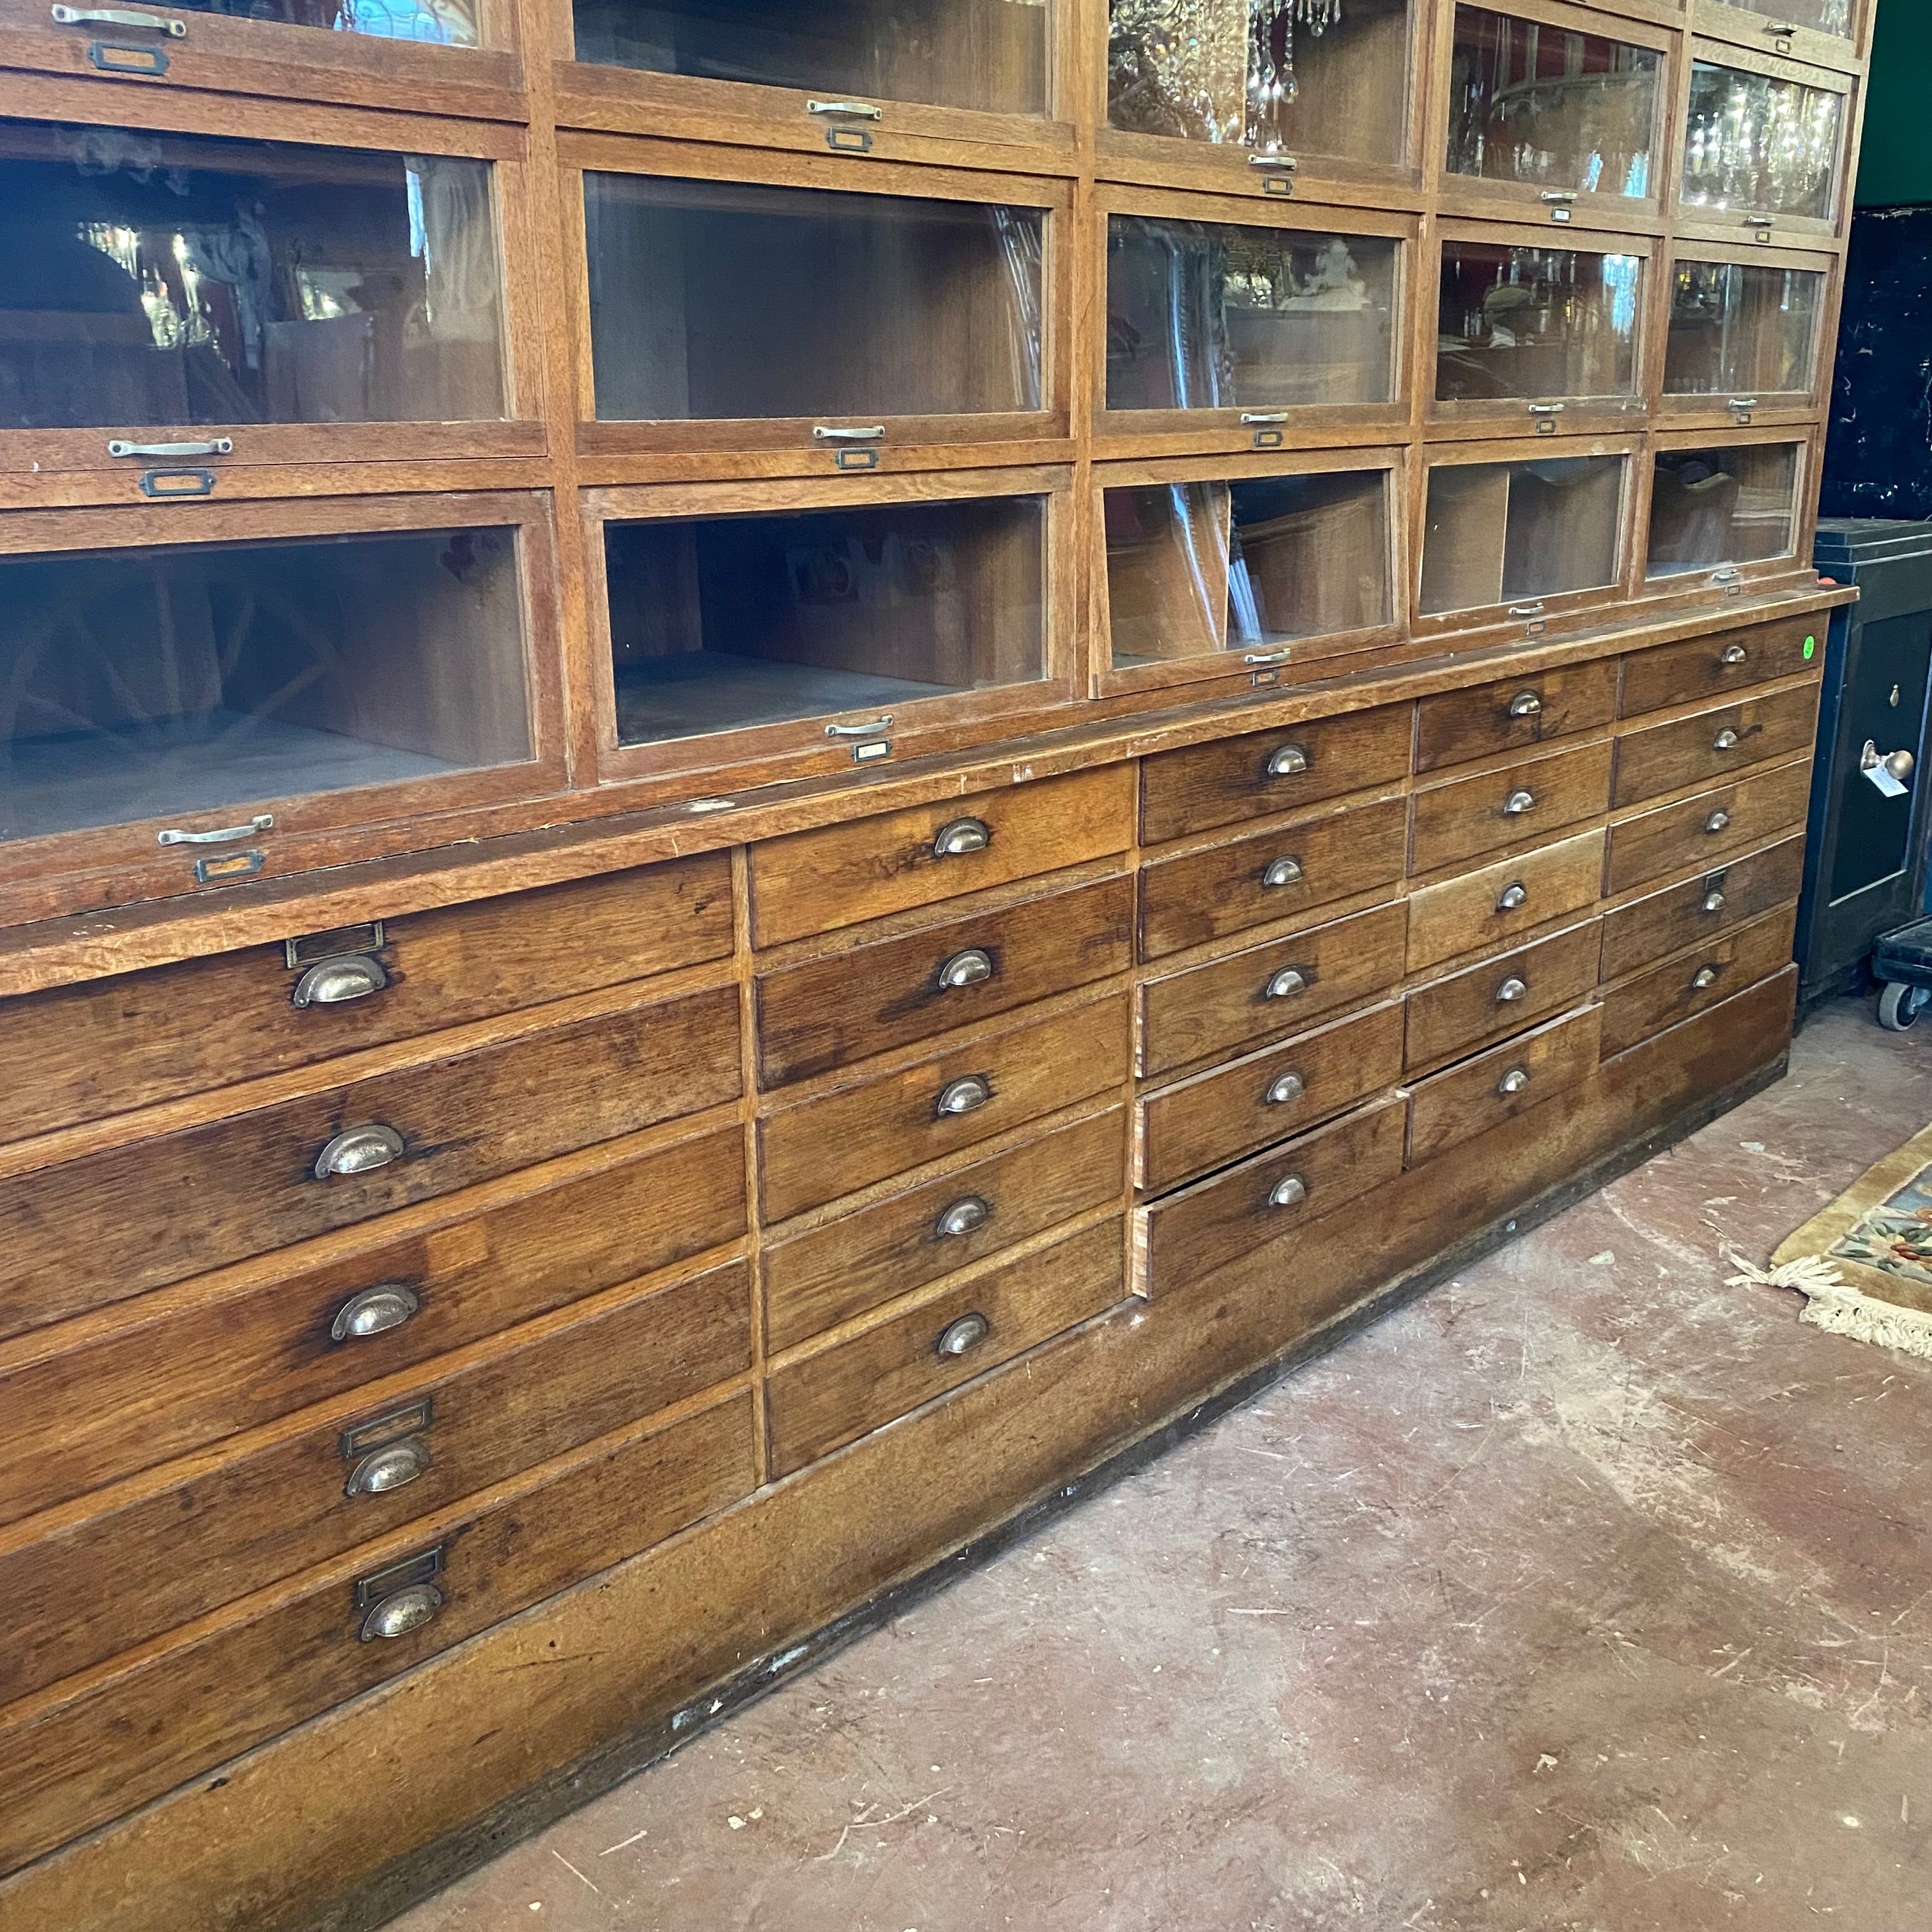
{"x":1196,"y":567}
{"x":443,"y":23}
{"x":159,"y":683}
{"x":1753,"y":141}
{"x":725,"y":621}
{"x":1207,"y":315}
{"x":714,"y":299}
{"x":1495,"y":532}
{"x":1823,"y":17}
{"x":992,"y":55}
{"x":156,"y":279}
{"x":1550,"y":108}
{"x":1520,"y":322}
{"x":1716,"y":506}
{"x":1293,"y":77}
{"x":1742,"y":330}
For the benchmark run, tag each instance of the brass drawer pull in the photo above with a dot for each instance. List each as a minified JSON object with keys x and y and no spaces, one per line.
{"x":392,"y":1467}
{"x":959,"y":836}
{"x":1525,"y":704}
{"x":122,"y":17}
{"x":1283,"y":1088}
{"x":1732,"y":654}
{"x":1514,"y":1081}
{"x":1744,"y":402}
{"x":1286,"y":761}
{"x":1712,"y":901}
{"x":1288,"y":1191}
{"x":966,"y":1096}
{"x":222,"y":445}
{"x":226,"y":835}
{"x":1546,"y":409}
{"x":374,"y":1311}
{"x":858,"y":110}
{"x":868,"y":433}
{"x":1705,"y":975}
{"x":1763,"y":223}
{"x":1251,"y":416}
{"x":964,"y":1216}
{"x":1285,"y":985}
{"x":1285,"y":164}
{"x":1282,"y":872}
{"x":402,"y":1612}
{"x":1725,"y":740}
{"x":335,"y":983}
{"x":1279,"y":657}
{"x":1558,"y":197}
{"x":870,"y":728}
{"x":1517,"y":803}
{"x":1527,"y":610}
{"x":1716,"y":822}
{"x":1511,"y":991}
{"x":358,"y":1150}
{"x":966,"y":969}
{"x":956,"y":1338}
{"x":1513,"y":897}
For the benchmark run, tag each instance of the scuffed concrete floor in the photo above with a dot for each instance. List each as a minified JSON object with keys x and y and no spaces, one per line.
{"x":1586,"y":1595}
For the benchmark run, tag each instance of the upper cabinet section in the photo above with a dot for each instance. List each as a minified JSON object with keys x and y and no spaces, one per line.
{"x":969,"y":81}
{"x":1268,"y":96}
{"x":1762,"y":141}
{"x":1743,"y":337}
{"x":423,"y":56}
{"x":1553,"y":118}
{"x":1832,"y":33}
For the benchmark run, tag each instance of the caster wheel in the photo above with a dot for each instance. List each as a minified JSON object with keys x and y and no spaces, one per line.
{"x":1899,"y":1006}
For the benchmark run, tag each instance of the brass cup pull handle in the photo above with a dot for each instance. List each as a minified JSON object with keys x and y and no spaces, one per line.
{"x":958,"y":836}
{"x":1525,"y":704}
{"x":857,"y":110}
{"x":224,"y":835}
{"x":1289,"y":1191}
{"x":1517,"y":803}
{"x":958,"y":1338}
{"x":120,"y":17}
{"x":1712,"y":901}
{"x":1513,"y":898}
{"x":374,"y":1311}
{"x":335,"y":983}
{"x":965,"y":1096}
{"x":394,"y":1466}
{"x":1716,"y":822}
{"x":358,"y":1150}
{"x":1725,"y":741}
{"x":966,"y":969}
{"x":1282,"y":872}
{"x":1511,"y":991}
{"x":1514,"y":1081}
{"x":1283,"y":1088}
{"x":1705,"y":975}
{"x":1285,"y":985}
{"x":1732,"y":654}
{"x":966,"y":1215}
{"x":1286,"y":761}
{"x":401,"y":1612}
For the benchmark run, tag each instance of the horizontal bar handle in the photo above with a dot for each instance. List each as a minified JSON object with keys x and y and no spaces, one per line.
{"x":1760,"y":221}
{"x":1285,"y":164}
{"x":1263,"y":416}
{"x":1281,"y":656}
{"x":1744,"y":402}
{"x":226,"y":835}
{"x":1527,"y":610}
{"x":1557,"y":197}
{"x":1546,"y":409}
{"x":871,"y":728}
{"x":221,"y":446}
{"x":870,"y":432}
{"x":1781,"y":30}
{"x":858,"y":110}
{"x":120,"y":17}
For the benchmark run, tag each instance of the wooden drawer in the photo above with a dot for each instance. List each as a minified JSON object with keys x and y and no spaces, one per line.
{"x":1269,"y":990}
{"x":1513,"y":713}
{"x":1686,"y":986}
{"x":1708,"y":746}
{"x":1190,"y":1234}
{"x":814,"y":1280}
{"x":1700,"y":832}
{"x":261,"y":1342}
{"x":1719,"y":661}
{"x":818,"y":881}
{"x":108,"y":1225}
{"x":72,"y":1762}
{"x":829,"y":1012}
{"x":189,"y":1538}
{"x":819,"y":1149}
{"x":1501,"y":996}
{"x":1217,"y":1117}
{"x":1271,"y":875}
{"x":845,"y":1391}
{"x":1201,"y":786}
{"x":79,"y":1052}
{"x":1455,"y":1106}
{"x":1467,"y":817}
{"x":1484,"y":908}
{"x":1699,"y":909}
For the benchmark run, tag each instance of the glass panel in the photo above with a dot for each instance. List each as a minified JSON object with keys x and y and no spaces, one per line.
{"x":1753,"y":141}
{"x":1293,"y":76}
{"x":1497,"y":531}
{"x":1207,"y":315}
{"x":719,"y":622}
{"x":1196,"y":567}
{"x":711,"y":299}
{"x":1715,"y":506}
{"x":1739,"y":330}
{"x":987,"y":54}
{"x":1550,"y":108}
{"x":163,"y":683}
{"x":1823,"y":17}
{"x":1535,"y":322}
{"x":443,"y":23}
{"x":178,"y":279}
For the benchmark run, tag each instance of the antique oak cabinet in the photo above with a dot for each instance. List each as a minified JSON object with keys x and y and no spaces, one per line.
{"x":768,"y":768}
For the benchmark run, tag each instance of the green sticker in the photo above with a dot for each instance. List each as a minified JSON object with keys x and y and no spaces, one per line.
{"x":1811,"y":645}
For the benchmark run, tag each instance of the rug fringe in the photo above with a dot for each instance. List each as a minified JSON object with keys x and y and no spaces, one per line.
{"x":1832,"y":1304}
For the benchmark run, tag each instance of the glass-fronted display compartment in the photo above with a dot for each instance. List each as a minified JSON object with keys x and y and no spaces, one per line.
{"x":1530,"y":336}
{"x":1555,"y":111}
{"x":1264,"y":94}
{"x":1251,"y":572}
{"x":201,"y":710}
{"x":1762,"y":141}
{"x":1834,"y":32}
{"x":1718,"y":507}
{"x":1743,"y":336}
{"x":841,"y":328}
{"x":181,"y":307}
{"x":1219,"y":333}
{"x":848,"y":621}
{"x":1519,"y":540}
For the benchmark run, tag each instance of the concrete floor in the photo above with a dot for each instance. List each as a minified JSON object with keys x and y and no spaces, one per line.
{"x":1586,"y":1595}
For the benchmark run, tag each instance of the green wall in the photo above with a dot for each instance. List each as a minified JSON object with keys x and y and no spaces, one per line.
{"x":1895,"y":166}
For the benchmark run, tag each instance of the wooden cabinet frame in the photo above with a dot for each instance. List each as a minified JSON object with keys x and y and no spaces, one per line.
{"x":1748,"y":23}
{"x":1726,"y":581}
